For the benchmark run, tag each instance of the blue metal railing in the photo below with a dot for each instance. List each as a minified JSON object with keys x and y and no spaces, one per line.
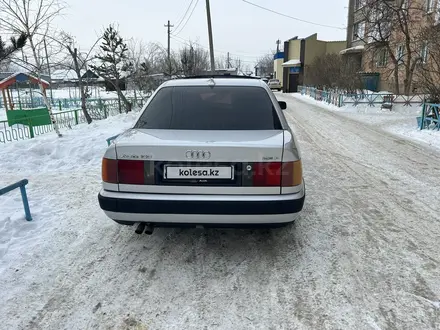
{"x":110,"y":139}
{"x":22,"y":185}
{"x":430,"y":115}
{"x":340,"y":98}
{"x":97,"y":108}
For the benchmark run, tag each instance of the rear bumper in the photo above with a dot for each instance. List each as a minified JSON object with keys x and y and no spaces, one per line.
{"x":201,"y":209}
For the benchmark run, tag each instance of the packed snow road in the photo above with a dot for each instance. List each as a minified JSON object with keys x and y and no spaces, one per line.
{"x":365,"y":253}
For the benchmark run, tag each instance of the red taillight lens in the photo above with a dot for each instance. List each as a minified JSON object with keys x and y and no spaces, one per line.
{"x":109,"y":170}
{"x":277,"y":174}
{"x":131,"y":172}
{"x":267,"y":175}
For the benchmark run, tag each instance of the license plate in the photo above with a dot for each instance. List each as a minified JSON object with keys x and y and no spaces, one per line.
{"x":199,"y":172}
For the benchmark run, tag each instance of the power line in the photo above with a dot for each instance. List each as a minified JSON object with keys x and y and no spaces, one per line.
{"x":291,"y":17}
{"x":189,"y":17}
{"x":206,"y":48}
{"x":184,"y":15}
{"x":187,"y":42}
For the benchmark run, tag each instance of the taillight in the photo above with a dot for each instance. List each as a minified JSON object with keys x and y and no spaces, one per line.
{"x":125,"y":171}
{"x":267,"y":174}
{"x":291,"y":174}
{"x":277,"y":174}
{"x":131,"y":171}
{"x":109,"y":170}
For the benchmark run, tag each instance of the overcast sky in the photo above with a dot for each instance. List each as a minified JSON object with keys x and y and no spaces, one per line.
{"x":238,"y":27}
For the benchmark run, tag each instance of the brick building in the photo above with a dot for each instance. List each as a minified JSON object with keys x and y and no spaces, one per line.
{"x":376,"y":40}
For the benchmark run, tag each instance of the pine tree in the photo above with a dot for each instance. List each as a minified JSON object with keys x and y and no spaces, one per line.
{"x":16,"y":44}
{"x":114,"y":62}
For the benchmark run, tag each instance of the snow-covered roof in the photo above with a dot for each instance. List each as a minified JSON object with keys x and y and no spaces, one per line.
{"x":226,"y":69}
{"x":291,"y":63}
{"x":20,"y":77}
{"x":65,"y":75}
{"x":355,"y":49}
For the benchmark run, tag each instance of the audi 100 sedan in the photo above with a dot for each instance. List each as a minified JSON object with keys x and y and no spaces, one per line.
{"x":205,"y":152}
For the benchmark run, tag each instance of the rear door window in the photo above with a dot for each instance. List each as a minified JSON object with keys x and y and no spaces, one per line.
{"x":210,"y":108}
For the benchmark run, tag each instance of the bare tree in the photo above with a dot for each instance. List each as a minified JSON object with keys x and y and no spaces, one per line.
{"x":392,"y":30}
{"x":333,"y":71}
{"x":77,"y":62}
{"x":194,"y":60}
{"x":265,"y":65}
{"x":33,"y":18}
{"x":145,"y":64}
{"x":169,"y":66}
{"x":429,"y":73}
{"x":221,"y":62}
{"x":114,"y":65}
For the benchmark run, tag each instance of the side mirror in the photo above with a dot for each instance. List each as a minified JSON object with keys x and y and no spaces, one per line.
{"x":283,"y":105}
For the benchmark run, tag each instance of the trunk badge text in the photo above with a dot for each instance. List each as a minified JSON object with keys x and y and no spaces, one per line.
{"x":198,"y":154}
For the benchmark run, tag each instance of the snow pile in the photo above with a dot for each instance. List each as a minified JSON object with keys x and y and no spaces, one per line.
{"x":3,"y":115}
{"x":401,"y":120}
{"x":74,"y":150}
{"x":48,"y":158}
{"x":74,"y":93}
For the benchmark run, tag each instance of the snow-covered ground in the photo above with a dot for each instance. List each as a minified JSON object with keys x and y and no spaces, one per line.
{"x":401,"y":120}
{"x":364,"y":253}
{"x":74,"y":93}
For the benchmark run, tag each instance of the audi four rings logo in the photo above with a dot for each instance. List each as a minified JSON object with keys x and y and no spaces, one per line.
{"x":198,"y":154}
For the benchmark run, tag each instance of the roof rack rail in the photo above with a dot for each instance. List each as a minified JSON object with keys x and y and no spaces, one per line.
{"x":226,"y":75}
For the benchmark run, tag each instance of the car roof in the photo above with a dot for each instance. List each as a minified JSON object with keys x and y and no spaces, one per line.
{"x":207,"y":81}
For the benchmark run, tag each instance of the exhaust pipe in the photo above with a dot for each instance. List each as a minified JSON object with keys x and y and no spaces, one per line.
{"x":149,"y":228}
{"x":140,"y":228}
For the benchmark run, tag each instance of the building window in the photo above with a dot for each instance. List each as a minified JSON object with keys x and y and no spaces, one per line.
{"x":424,"y":52}
{"x":400,"y":53}
{"x":382,"y":58}
{"x":359,"y":31}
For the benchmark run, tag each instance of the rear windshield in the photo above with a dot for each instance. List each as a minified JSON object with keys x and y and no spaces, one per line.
{"x":206,"y":108}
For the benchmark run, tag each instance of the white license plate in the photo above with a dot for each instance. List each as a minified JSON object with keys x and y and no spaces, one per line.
{"x":199,"y":172}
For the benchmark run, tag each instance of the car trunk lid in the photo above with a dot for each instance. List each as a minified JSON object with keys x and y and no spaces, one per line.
{"x":200,"y":162}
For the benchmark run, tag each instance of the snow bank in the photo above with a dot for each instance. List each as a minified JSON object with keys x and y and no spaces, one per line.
{"x":74,"y":93}
{"x":401,"y":120}
{"x":77,"y":148}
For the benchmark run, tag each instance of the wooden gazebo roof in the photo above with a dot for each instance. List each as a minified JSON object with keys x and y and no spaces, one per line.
{"x":21,"y":77}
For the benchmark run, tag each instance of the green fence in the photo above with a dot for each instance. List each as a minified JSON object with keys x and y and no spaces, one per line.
{"x":27,"y":102}
{"x":22,"y":130}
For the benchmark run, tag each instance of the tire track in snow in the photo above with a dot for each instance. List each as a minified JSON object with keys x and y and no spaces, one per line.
{"x":411,"y":231}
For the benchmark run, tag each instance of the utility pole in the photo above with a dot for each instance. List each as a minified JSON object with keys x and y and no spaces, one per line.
{"x":169,"y":26}
{"x":228,"y":65}
{"x":211,"y":42}
{"x":278,"y":45}
{"x":48,"y":69}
